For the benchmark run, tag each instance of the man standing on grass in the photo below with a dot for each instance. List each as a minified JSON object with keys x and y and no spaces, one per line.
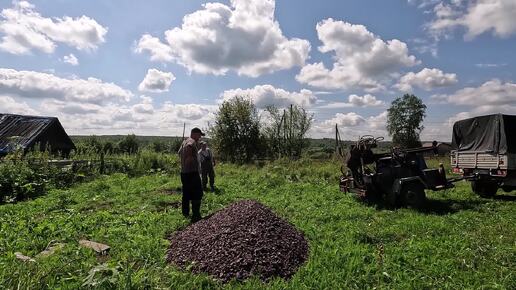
{"x":207,"y":163}
{"x":190,"y":178}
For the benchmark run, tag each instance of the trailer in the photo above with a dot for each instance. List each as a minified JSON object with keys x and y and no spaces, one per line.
{"x":397,"y":178}
{"x":485,"y":153}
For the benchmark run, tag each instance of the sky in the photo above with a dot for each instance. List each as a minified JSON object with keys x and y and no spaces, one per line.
{"x":146,"y":67}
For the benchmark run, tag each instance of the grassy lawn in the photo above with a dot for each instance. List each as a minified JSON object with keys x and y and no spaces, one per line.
{"x":458,"y":241}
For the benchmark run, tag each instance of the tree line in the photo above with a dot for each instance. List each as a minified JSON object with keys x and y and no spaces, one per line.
{"x":241,"y":133}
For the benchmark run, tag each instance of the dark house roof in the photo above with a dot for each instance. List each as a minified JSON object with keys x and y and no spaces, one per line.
{"x":24,"y":132}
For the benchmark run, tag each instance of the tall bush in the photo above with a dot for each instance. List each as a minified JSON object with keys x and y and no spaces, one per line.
{"x":236,"y":132}
{"x":19,"y":181}
{"x":286,"y":131}
{"x":129,"y":144}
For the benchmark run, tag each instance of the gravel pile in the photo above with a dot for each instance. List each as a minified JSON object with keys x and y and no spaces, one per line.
{"x":244,"y":239}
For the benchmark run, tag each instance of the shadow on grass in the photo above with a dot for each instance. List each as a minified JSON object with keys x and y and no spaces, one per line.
{"x":164,"y":205}
{"x":172,"y":191}
{"x":7,"y":199}
{"x":439,"y":207}
{"x":450,"y":206}
{"x":505,"y":197}
{"x":443,"y":206}
{"x":219,"y":191}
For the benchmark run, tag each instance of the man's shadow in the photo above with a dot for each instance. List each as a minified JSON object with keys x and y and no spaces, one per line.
{"x":217,"y":191}
{"x":505,"y":197}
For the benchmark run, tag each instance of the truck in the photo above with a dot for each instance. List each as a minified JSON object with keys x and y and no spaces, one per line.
{"x":484,"y":153}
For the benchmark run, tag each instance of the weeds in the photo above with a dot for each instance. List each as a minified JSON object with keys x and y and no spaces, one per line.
{"x":458,"y":241}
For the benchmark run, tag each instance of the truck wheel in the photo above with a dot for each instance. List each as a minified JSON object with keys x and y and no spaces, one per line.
{"x":508,"y":188}
{"x":484,"y":188}
{"x":413,"y":195}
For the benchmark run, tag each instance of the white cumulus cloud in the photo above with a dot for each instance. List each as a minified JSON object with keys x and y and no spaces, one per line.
{"x":156,"y":81}
{"x":491,"y":93}
{"x":142,"y":117}
{"x":242,"y":37}
{"x":351,"y":126}
{"x":37,"y":85}
{"x":476,"y":17}
{"x":427,"y":79}
{"x":71,"y":59}
{"x":23,"y":29}
{"x":92,"y":106}
{"x":355,"y":101}
{"x":9,"y":105}
{"x":263,"y":95}
{"x":346,"y":120}
{"x":492,"y":97}
{"x":158,"y":50}
{"x":362,"y":59}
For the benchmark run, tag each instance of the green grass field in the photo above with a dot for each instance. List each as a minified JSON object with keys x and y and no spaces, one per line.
{"x":459,"y":241}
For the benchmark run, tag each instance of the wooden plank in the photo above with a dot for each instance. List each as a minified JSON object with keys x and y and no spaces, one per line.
{"x":24,"y":258}
{"x":50,"y":250}
{"x":97,"y":247}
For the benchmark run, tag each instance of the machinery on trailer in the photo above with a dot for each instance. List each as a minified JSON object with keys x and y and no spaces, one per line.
{"x":485,"y":153}
{"x":396,"y":178}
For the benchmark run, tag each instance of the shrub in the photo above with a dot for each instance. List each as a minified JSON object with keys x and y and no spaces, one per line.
{"x":236,"y":133}
{"x":158,"y":146}
{"x":19,"y":181}
{"x":147,"y":161}
{"x":286,"y":131}
{"x":129,"y":144}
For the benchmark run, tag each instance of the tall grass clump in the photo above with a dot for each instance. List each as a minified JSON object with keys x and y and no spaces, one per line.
{"x":18,"y":180}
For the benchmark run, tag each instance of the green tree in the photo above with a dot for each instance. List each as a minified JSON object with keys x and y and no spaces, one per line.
{"x":286,"y":131}
{"x":91,"y":144}
{"x":405,"y":120}
{"x":158,"y":146}
{"x":175,"y":145}
{"x":108,"y":147}
{"x":236,"y":131}
{"x":129,"y":144}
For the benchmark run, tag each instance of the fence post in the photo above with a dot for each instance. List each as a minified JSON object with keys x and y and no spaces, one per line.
{"x":102,"y":162}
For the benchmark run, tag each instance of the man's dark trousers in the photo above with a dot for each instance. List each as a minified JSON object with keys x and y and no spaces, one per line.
{"x":192,"y":191}
{"x":207,"y":171}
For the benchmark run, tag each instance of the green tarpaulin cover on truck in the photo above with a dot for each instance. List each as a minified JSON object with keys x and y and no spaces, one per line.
{"x":491,"y":133}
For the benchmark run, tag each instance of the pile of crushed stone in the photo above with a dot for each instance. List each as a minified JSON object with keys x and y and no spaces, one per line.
{"x":244,"y":239}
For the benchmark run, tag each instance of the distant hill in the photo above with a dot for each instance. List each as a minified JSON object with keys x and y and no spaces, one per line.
{"x":143,"y":140}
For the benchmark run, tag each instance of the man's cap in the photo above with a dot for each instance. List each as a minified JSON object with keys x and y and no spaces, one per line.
{"x":197,"y":130}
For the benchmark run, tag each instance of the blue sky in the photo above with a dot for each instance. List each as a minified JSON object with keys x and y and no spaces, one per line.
{"x":145,"y":67}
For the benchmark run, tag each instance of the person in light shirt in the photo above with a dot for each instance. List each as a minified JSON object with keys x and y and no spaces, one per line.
{"x":207,"y":162}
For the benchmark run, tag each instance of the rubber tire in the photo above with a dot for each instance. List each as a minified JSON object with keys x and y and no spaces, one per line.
{"x":413,"y":195}
{"x":484,"y":188}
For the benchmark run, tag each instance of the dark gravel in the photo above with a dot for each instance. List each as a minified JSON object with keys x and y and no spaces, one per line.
{"x":242,"y":240}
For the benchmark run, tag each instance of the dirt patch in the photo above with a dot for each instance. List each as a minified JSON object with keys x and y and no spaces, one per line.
{"x":172,"y":191}
{"x":163,"y":205}
{"x":242,"y":240}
